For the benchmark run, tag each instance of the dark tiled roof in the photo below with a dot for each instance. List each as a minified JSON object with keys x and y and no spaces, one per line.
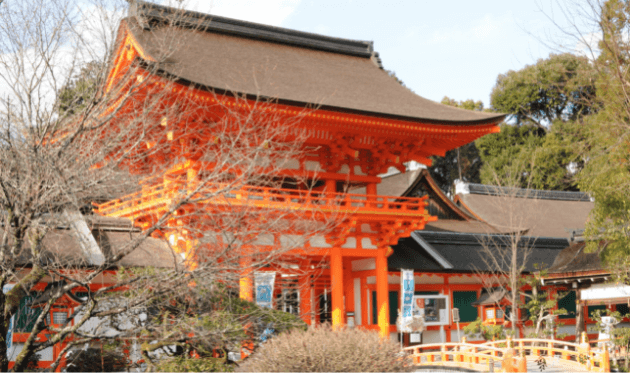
{"x":459,"y":226}
{"x":296,"y":68}
{"x":492,"y":190}
{"x":465,"y":251}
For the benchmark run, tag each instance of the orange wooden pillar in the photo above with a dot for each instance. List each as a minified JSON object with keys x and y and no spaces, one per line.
{"x":246,"y":292}
{"x":348,"y":289}
{"x":371,"y":190}
{"x":246,"y":286}
{"x":336,"y":274}
{"x":305,"y":284}
{"x":382,"y":293}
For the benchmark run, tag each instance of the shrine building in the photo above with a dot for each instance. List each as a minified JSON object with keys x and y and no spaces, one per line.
{"x":359,"y":122}
{"x":447,"y":256}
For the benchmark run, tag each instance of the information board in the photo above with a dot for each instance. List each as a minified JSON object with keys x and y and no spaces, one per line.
{"x":434,"y":309}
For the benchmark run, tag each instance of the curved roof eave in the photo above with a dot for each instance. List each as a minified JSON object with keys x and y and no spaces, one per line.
{"x":197,"y":85}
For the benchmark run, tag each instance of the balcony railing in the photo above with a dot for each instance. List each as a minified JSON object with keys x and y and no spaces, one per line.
{"x":161,"y":195}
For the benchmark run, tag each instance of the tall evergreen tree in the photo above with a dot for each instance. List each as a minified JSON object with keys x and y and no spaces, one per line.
{"x":561,"y":87}
{"x":606,"y":176}
{"x":462,"y":163}
{"x":547,"y":104}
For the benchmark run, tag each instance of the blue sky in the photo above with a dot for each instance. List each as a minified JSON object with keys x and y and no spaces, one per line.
{"x":437,"y":48}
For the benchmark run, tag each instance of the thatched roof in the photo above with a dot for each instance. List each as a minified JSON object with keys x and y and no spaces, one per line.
{"x":62,"y":246}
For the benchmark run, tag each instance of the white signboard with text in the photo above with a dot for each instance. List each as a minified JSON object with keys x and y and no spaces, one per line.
{"x":434,"y":309}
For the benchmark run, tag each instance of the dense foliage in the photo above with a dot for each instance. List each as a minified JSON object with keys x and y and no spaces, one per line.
{"x":463,"y":163}
{"x":208,"y":319}
{"x":530,"y":157}
{"x":559,"y":87}
{"x":488,"y":332}
{"x":606,"y":175}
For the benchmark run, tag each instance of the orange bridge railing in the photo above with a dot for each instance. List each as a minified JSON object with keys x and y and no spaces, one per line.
{"x":511,"y":355}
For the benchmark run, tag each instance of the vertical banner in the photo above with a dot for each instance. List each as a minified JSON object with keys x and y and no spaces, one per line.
{"x":407,"y":289}
{"x":9,"y":335}
{"x":264,"y":288}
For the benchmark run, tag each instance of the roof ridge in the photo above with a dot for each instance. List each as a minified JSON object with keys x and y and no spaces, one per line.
{"x":149,"y":13}
{"x":491,"y":238}
{"x":495,"y":190}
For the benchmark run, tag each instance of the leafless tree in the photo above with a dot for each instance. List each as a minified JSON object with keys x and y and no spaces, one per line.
{"x":506,"y":255}
{"x":70,"y":136}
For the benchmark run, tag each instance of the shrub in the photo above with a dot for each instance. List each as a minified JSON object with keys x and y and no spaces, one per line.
{"x":181,"y":364}
{"x":487,"y":332}
{"x":321,"y":349}
{"x":95,"y":360}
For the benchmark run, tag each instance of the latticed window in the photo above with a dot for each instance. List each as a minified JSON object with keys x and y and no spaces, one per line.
{"x":58,"y":317}
{"x":26,"y":315}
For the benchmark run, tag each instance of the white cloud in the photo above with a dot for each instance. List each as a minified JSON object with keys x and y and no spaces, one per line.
{"x":269,"y":12}
{"x":588,"y":45}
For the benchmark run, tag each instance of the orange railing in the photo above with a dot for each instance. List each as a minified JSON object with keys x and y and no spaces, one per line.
{"x":460,"y":355}
{"x":571,"y":356}
{"x":262,"y":197}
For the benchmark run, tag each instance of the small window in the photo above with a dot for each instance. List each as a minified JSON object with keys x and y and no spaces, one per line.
{"x":489,"y":313}
{"x":60,"y":318}
{"x":623,"y":309}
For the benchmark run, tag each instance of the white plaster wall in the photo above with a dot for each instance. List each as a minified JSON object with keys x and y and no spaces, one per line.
{"x":291,"y":164}
{"x":46,"y":354}
{"x":363,"y":264}
{"x":290,"y":241}
{"x":366,"y":243}
{"x":319,"y":242}
{"x":566,"y":329}
{"x":15,"y":349}
{"x":312,"y":166}
{"x":454,"y":337}
{"x":357,"y":301}
{"x":431,"y":336}
{"x":358,"y":171}
{"x":351,"y":243}
{"x":264,"y":239}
